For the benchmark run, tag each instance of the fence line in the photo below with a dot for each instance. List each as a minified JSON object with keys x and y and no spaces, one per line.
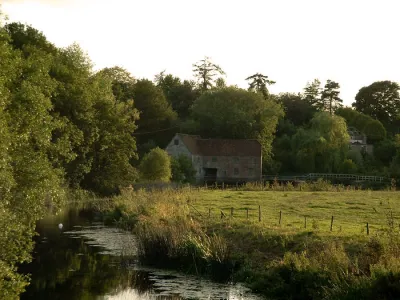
{"x":279,"y":219}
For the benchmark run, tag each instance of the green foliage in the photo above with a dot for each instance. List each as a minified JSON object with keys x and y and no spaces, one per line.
{"x":385,"y":151}
{"x":330,"y":96}
{"x":357,"y":158}
{"x":258,"y":83}
{"x":27,"y":38}
{"x":349,"y":167}
{"x":381,"y":101}
{"x":326,"y":99}
{"x":156,"y":166}
{"x":323,"y":147}
{"x":237,"y":113}
{"x":180,"y":95}
{"x":156,"y":114}
{"x":122,"y":83}
{"x":283,"y":153}
{"x":312,"y":94}
{"x":372,"y":128}
{"x":182,"y":169}
{"x":59,"y":124}
{"x":297,"y":110}
{"x":395,"y":164}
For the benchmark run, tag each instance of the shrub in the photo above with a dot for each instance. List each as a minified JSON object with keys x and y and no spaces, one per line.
{"x":349,"y":167}
{"x":156,"y":165}
{"x":182,"y":169}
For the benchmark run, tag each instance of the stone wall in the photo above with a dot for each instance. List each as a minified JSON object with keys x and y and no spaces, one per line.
{"x":176,"y":150}
{"x":235,"y":167}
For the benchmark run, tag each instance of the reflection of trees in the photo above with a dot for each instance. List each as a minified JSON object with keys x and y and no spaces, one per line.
{"x":66,"y":268}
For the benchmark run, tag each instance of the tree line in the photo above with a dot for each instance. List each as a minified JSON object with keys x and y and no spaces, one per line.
{"x":65,"y":126}
{"x":90,"y":129}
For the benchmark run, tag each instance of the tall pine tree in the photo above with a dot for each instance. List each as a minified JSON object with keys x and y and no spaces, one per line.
{"x":330,"y":96}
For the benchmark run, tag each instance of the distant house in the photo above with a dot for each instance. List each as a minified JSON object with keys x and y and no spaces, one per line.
{"x":219,"y":160}
{"x":358,"y":141}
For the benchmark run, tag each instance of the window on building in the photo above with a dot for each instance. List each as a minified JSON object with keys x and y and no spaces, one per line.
{"x":214,"y":159}
{"x":176,"y":142}
{"x":236,"y":171}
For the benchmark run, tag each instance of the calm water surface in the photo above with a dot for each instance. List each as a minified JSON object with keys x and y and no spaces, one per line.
{"x":86,"y":260}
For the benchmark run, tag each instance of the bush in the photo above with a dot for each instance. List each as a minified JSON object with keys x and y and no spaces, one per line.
{"x":182,"y":169}
{"x":156,"y":165}
{"x":349,"y":167}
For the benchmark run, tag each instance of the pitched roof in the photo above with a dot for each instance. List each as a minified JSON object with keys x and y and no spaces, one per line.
{"x":221,"y":147}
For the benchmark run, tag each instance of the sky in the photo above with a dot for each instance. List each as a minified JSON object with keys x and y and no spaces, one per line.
{"x":353,"y":42}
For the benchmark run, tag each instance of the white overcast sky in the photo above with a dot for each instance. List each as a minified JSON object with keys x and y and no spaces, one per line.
{"x":354,"y":42}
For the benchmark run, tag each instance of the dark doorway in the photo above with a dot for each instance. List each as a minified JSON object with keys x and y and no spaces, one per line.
{"x":210,"y":175}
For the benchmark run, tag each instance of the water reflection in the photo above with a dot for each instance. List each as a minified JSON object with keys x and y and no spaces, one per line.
{"x":86,"y":260}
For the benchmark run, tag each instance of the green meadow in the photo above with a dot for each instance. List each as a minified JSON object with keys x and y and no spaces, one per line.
{"x":301,"y":211}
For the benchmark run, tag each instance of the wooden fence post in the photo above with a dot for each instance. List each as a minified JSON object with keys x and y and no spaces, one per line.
{"x":332,"y":223}
{"x":367,"y":229}
{"x":259,"y":213}
{"x":223,"y":185}
{"x":222,"y":214}
{"x":280,"y":217}
{"x":209,"y":212}
{"x":305,"y":222}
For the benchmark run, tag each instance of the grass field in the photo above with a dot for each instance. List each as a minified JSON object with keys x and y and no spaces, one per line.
{"x":183,"y":229}
{"x":351,"y":210}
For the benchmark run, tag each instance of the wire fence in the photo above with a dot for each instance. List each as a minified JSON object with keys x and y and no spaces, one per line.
{"x":279,"y":219}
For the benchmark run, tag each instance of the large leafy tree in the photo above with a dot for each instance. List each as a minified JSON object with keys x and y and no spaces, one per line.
{"x":323,"y":147}
{"x":115,"y":145}
{"x":29,"y":179}
{"x":180,"y":95}
{"x":297,"y":110}
{"x":372,"y":128}
{"x":381,"y":101}
{"x":258,"y":83}
{"x":27,"y":39}
{"x":123,"y":82}
{"x":155,"y":112}
{"x":99,"y":124}
{"x":157,"y":121}
{"x":206,"y":71}
{"x":330,"y":96}
{"x":237,"y":113}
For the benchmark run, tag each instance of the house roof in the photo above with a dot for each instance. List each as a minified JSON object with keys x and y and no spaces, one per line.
{"x":221,"y":147}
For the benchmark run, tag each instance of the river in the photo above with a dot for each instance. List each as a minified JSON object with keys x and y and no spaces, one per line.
{"x":87,"y":260}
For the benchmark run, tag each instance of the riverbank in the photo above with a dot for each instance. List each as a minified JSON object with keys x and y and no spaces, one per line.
{"x":294,"y":252}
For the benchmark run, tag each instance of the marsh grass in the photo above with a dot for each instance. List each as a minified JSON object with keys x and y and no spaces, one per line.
{"x":183,"y":229}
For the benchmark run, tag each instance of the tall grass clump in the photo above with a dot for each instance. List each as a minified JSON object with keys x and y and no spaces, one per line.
{"x":169,"y":236}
